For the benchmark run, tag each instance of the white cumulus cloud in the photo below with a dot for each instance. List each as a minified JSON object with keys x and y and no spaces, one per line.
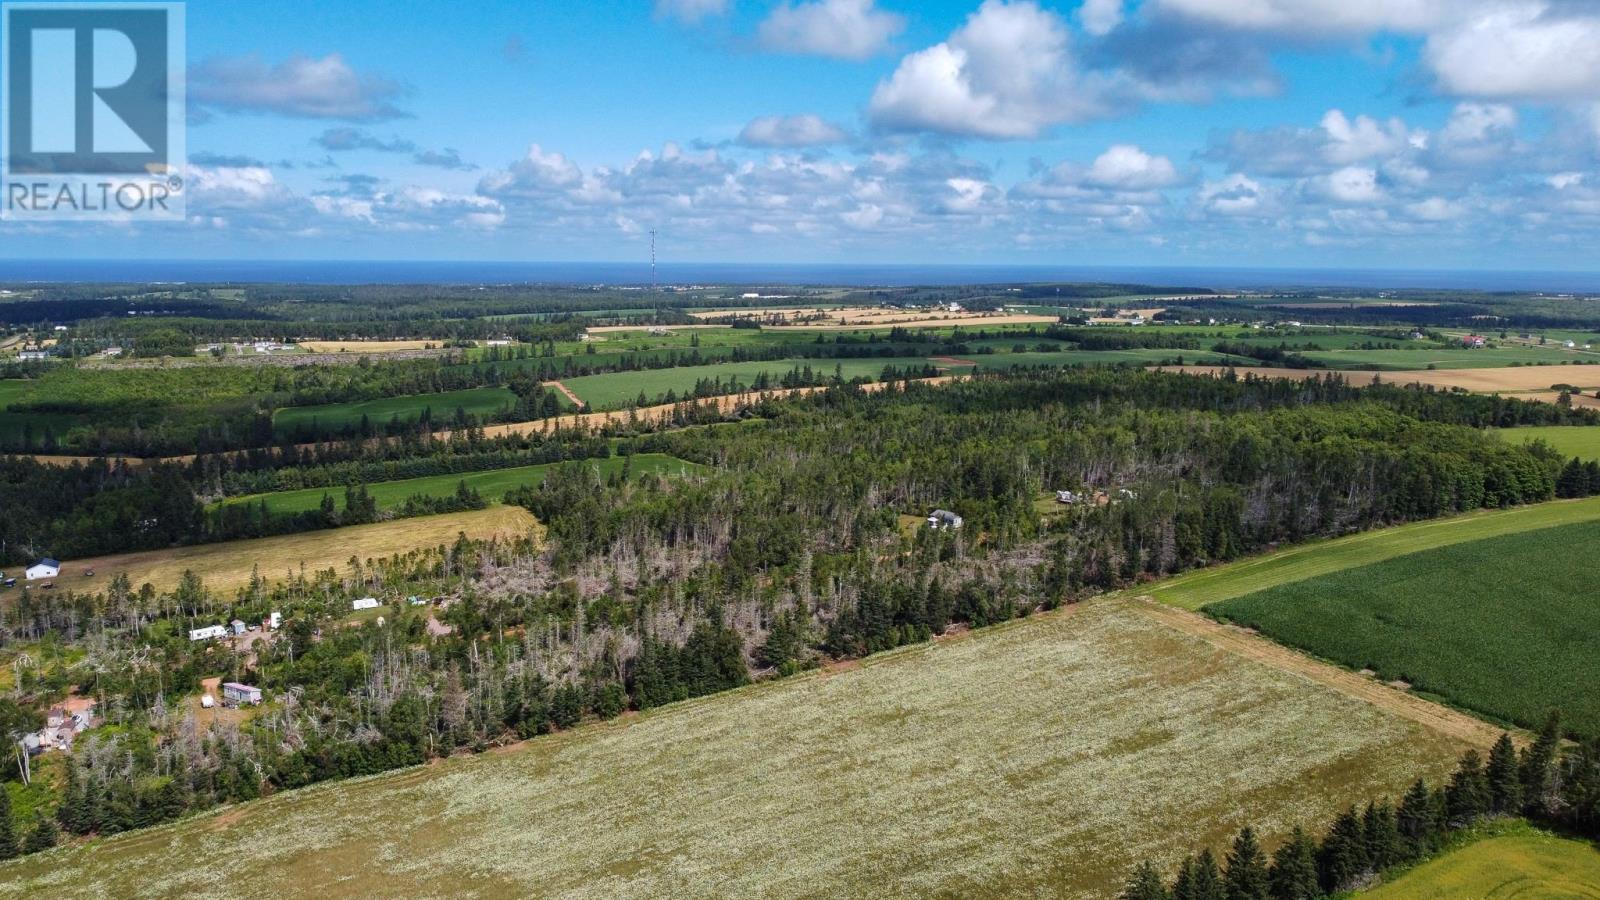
{"x":843,"y":29}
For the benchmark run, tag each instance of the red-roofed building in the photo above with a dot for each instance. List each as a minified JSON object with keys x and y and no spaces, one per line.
{"x":1473,"y":342}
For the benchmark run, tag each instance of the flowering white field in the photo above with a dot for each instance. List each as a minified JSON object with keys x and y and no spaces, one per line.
{"x":1043,"y":757}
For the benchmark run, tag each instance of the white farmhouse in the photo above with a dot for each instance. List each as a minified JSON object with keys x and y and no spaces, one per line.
{"x":44,"y":568}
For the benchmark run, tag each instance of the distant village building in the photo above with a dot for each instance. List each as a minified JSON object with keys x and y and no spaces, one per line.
{"x":44,"y":568}
{"x":944,"y":518}
{"x":236,"y":694}
{"x":1473,"y":342}
{"x":34,"y":355}
{"x":208,"y":633}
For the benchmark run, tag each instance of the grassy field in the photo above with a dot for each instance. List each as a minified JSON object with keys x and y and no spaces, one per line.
{"x":491,"y":484}
{"x":1204,"y":586}
{"x":336,"y":416}
{"x":1582,"y":441}
{"x":1421,"y":358}
{"x":1524,"y":863}
{"x":226,"y":566}
{"x":1039,"y":758}
{"x":1506,"y":626}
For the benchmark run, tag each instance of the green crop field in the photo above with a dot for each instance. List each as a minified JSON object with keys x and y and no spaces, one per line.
{"x":1582,"y":441}
{"x":1204,"y":586}
{"x":1507,"y":626}
{"x":1523,"y":863}
{"x":339,"y":416}
{"x":491,"y":484}
{"x":1039,"y":758}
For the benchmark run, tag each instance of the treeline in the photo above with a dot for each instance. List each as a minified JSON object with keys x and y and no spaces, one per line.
{"x":1545,"y":783}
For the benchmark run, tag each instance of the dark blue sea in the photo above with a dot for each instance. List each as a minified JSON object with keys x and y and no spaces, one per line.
{"x":612,"y":273}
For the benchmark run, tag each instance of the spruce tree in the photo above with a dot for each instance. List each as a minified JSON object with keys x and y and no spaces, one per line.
{"x":1342,"y":862}
{"x":1467,"y":798}
{"x":1145,"y":884}
{"x":1505,"y":781}
{"x":1384,"y":846}
{"x":8,"y":825}
{"x":1538,"y":767}
{"x":1294,"y":869}
{"x":1183,"y":887}
{"x":43,"y":836}
{"x":1247,"y":868}
{"x":1418,"y":827}
{"x":1208,"y":883}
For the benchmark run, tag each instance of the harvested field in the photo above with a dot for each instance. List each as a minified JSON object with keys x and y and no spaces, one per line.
{"x":226,"y":566}
{"x":1042,"y":757}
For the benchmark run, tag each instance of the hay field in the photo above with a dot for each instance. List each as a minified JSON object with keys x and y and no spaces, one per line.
{"x":226,"y":566}
{"x":1523,"y":863}
{"x":1314,"y":558}
{"x":1043,"y":757}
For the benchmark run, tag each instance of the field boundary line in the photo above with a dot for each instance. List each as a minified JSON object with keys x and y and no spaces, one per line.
{"x":1236,"y":640}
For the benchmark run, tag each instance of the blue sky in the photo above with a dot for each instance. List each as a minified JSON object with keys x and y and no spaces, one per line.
{"x":1371,"y":133}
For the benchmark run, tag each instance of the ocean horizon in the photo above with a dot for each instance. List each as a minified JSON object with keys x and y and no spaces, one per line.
{"x":350,"y":272}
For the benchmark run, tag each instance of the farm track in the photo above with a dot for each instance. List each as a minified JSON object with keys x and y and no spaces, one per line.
{"x":1251,"y":646}
{"x":565,"y":391}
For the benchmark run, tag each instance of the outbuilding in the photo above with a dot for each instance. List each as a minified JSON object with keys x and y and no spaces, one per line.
{"x":944,"y":518}
{"x":44,"y":568}
{"x":364,"y":603}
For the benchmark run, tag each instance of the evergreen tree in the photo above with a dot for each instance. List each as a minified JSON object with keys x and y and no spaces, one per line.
{"x":1247,"y":868}
{"x":1183,"y":887}
{"x":1505,"y":781}
{"x":1208,"y":884}
{"x":8,"y":825}
{"x":1294,"y":869}
{"x":1379,"y":826}
{"x":1467,"y":798}
{"x":1145,"y":884}
{"x":43,"y":836}
{"x":1417,"y":825}
{"x":1342,"y":862}
{"x":1538,"y":768}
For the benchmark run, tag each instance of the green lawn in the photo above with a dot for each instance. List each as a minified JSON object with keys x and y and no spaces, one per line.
{"x":1582,"y":441}
{"x":491,"y":484}
{"x":1507,"y":626}
{"x":335,"y":417}
{"x":1308,"y":560}
{"x":1523,"y":863}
